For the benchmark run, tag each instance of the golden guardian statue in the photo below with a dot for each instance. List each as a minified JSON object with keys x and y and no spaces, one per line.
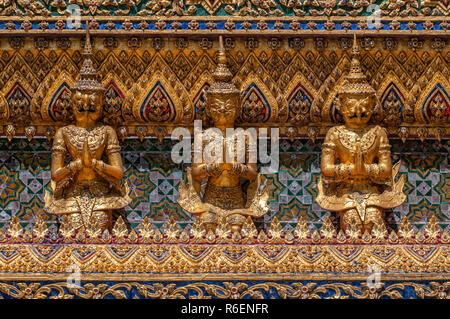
{"x":358,"y":180}
{"x":217,"y":186}
{"x":87,"y":189}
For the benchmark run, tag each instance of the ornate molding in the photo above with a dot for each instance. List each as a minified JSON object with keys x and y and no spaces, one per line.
{"x":272,"y":263}
{"x":190,"y":8}
{"x":275,"y":251}
{"x":283,"y":72}
{"x":213,"y":26}
{"x":224,"y":290}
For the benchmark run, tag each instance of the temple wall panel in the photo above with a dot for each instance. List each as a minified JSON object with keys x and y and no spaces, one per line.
{"x":294,"y":82}
{"x":158,"y":63}
{"x":153,"y":178}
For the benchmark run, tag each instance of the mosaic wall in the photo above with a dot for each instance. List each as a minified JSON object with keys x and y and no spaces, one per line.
{"x":228,"y":289}
{"x":154,"y":178}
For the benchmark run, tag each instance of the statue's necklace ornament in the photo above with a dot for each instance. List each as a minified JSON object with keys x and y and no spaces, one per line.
{"x":223,"y":194}
{"x":358,"y":179}
{"x":87,"y":189}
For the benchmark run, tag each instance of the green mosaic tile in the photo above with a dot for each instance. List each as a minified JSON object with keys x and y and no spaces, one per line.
{"x":154,"y":179}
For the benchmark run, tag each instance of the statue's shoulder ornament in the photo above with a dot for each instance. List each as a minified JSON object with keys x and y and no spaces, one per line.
{"x":370,"y":138}
{"x":348,"y":139}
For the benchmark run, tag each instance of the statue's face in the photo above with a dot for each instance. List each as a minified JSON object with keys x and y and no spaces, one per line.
{"x":87,"y":105}
{"x":357,"y":110}
{"x":223,"y":110}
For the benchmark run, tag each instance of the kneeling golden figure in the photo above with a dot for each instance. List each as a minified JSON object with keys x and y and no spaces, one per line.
{"x":358,"y":179}
{"x":224,"y":194}
{"x":87,"y":189}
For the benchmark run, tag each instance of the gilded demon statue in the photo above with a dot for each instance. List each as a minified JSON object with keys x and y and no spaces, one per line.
{"x":87,"y":189}
{"x":358,"y":180}
{"x":216,"y":187}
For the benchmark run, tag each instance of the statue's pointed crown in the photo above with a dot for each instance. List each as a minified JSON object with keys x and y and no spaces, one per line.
{"x":222,"y":75}
{"x":87,"y":80}
{"x":356,"y":80}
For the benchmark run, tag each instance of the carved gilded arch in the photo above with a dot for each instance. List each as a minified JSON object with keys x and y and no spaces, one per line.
{"x":433,"y":105}
{"x":18,"y":96}
{"x":393,"y":98}
{"x":169,"y":86}
{"x":161,"y":100}
{"x":258,"y":105}
{"x":64,"y":71}
{"x":435,"y":68}
{"x":299,"y":96}
{"x":55,"y":106}
{"x":118,"y":104}
{"x":254,"y":71}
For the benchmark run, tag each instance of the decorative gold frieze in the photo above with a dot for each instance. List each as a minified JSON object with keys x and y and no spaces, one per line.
{"x":178,"y":289}
{"x":159,"y":263}
{"x":171,"y":231}
{"x":166,"y":87}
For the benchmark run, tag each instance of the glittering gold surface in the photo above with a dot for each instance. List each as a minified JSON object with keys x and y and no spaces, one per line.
{"x":223,"y":194}
{"x":358,"y":180}
{"x":87,"y":189}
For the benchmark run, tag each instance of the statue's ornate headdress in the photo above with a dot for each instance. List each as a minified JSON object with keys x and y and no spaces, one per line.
{"x":222,"y":75}
{"x":87,"y":80}
{"x":356,"y":80}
